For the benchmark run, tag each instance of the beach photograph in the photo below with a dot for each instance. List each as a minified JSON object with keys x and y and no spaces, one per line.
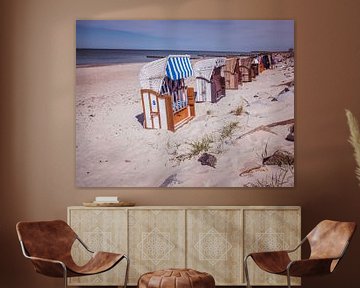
{"x":185,"y":103}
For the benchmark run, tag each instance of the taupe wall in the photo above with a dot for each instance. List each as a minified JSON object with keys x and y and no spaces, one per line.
{"x":38,"y":125}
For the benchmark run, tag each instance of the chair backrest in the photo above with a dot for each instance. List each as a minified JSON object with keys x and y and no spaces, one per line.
{"x":329,"y":239}
{"x":46,"y":239}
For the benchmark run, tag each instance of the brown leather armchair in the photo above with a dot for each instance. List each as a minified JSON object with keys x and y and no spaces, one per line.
{"x":328,"y":242}
{"x":48,"y":245}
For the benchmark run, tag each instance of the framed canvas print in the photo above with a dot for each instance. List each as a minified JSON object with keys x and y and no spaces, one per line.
{"x":185,"y":103}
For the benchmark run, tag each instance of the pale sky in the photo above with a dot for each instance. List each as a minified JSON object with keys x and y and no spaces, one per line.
{"x":202,"y":35}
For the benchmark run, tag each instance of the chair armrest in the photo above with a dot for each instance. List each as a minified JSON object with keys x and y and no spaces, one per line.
{"x":202,"y":78}
{"x":268,"y":253}
{"x":32,"y":258}
{"x":271,"y":261}
{"x":83,"y":244}
{"x":38,"y":258}
{"x":228,"y":71}
{"x":279,"y":252}
{"x":48,"y":267}
{"x":243,"y":66}
{"x":298,"y":246}
{"x":309,"y":267}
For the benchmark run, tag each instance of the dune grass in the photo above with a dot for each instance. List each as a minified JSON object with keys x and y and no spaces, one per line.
{"x":228,"y":130}
{"x":277,"y":179}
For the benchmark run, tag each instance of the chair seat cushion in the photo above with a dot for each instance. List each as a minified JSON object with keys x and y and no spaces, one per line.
{"x":176,"y":278}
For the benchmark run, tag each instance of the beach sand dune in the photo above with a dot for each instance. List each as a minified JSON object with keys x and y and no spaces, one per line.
{"x":114,"y":150}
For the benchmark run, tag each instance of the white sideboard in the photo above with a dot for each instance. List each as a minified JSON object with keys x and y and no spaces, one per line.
{"x":211,"y":239}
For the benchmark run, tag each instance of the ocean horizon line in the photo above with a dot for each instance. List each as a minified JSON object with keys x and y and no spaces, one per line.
{"x":86,"y":57}
{"x":180,"y":50}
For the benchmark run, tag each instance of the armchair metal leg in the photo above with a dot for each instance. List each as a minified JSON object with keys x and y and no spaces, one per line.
{"x":65,"y":275}
{"x":288,"y":278}
{"x":127,"y":271}
{"x":246,"y":272}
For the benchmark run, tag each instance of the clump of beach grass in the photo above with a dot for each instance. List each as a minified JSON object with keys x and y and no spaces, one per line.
{"x":277,"y":179}
{"x":202,"y":145}
{"x":239,"y":110}
{"x":197,"y":147}
{"x":207,"y":143}
{"x":354,"y":140}
{"x":228,"y":130}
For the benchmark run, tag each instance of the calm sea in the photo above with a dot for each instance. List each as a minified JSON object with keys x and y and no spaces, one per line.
{"x":101,"y":57}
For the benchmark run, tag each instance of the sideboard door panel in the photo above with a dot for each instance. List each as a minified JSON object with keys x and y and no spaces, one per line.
{"x":156,"y":240}
{"x":270,"y":230}
{"x":214,"y":244}
{"x":101,"y":230}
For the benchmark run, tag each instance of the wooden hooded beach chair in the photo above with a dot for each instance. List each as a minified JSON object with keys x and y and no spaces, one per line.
{"x":210,"y":82}
{"x":166,"y":101}
{"x":255,"y":66}
{"x":247,"y":73}
{"x":266,"y":61}
{"x":232,"y":73}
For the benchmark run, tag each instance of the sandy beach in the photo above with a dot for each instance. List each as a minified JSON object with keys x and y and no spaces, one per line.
{"x":241,"y":131}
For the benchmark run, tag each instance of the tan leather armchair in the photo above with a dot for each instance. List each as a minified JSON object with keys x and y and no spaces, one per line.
{"x":48,"y":245}
{"x":328,"y":242}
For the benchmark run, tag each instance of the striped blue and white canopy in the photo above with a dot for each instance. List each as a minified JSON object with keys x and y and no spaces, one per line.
{"x":179,"y":67}
{"x":174,"y":66}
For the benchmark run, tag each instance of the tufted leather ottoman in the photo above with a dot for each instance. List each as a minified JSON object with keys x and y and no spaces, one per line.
{"x":176,"y":278}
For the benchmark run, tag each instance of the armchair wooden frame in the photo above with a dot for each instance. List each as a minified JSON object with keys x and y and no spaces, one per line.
{"x":100,"y":261}
{"x":320,"y":262}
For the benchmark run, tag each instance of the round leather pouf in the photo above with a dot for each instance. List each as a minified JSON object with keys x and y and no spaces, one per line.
{"x":176,"y":278}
